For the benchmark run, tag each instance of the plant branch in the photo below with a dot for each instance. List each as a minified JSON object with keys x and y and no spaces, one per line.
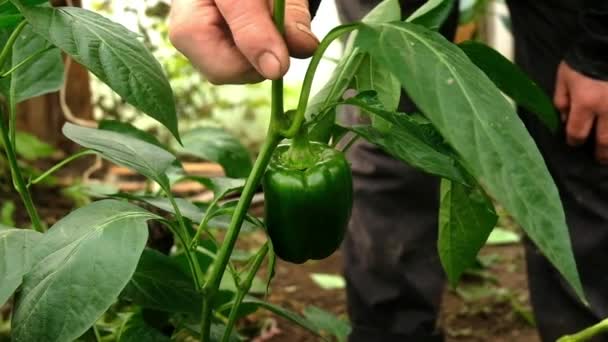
{"x":184,"y":237}
{"x":59,"y":166}
{"x":586,"y":334}
{"x":27,"y":60}
{"x":243,"y":290}
{"x":18,"y":181}
{"x":8,"y":47}
{"x":310,"y":73}
{"x":203,"y":225}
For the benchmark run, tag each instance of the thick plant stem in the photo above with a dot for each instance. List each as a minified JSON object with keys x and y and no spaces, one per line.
{"x":273,"y":138}
{"x":243,"y":290}
{"x":219,"y":265}
{"x":18,"y":181}
{"x":586,"y":334}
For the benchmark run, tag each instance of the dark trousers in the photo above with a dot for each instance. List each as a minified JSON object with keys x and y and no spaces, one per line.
{"x":394,"y":278}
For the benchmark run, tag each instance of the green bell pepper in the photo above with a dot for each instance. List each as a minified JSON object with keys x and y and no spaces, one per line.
{"x":308,"y":193}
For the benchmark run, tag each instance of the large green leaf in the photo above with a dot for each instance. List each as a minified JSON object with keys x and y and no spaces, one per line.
{"x":215,"y":144}
{"x":80,"y":267}
{"x":135,"y":329}
{"x":143,"y":157}
{"x":159,"y":283}
{"x":16,"y":247}
{"x":42,"y":75}
{"x":114,"y":54}
{"x":432,"y":14}
{"x":483,"y":128}
{"x":409,"y":139}
{"x":512,"y":81}
{"x":466,"y":219}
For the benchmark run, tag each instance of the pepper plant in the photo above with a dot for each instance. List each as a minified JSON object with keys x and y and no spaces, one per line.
{"x":69,"y":281}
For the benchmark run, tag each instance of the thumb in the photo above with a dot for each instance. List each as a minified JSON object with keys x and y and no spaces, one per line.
{"x":300,"y":39}
{"x":255,"y":35}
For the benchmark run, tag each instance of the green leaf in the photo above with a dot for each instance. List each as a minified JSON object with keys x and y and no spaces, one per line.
{"x":410,"y":140}
{"x":328,"y":322}
{"x":16,"y":247}
{"x":80,"y":267}
{"x":41,"y":76}
{"x":145,"y":158}
{"x":30,"y":147}
{"x":114,"y":54}
{"x":432,"y":14}
{"x":130,"y":130}
{"x":466,"y":218}
{"x":217,"y":145}
{"x":135,"y":329}
{"x":483,"y":128}
{"x":509,"y":78}
{"x":328,"y":281}
{"x":159,"y":283}
{"x":7,"y":213}
{"x":502,"y":236}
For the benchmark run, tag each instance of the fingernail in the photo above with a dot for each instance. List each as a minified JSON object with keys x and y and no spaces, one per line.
{"x":304,"y":28}
{"x":269,"y":65}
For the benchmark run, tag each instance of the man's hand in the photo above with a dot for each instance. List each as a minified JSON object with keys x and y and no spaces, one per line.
{"x":235,"y":41}
{"x":583,"y":101}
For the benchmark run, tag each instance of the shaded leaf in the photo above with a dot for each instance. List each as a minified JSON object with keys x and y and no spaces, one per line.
{"x":145,"y":158}
{"x":513,"y":81}
{"x":80,"y":266}
{"x":114,"y":54}
{"x":159,"y":283}
{"x":411,"y":140}
{"x":135,"y":329}
{"x":16,"y":247}
{"x":466,"y":218}
{"x":483,"y":128}
{"x":215,"y":144}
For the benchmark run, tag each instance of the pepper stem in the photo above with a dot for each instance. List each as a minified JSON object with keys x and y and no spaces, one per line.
{"x":300,"y":153}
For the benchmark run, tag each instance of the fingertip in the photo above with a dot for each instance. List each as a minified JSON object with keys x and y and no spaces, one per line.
{"x":269,"y":65}
{"x":301,"y":41}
